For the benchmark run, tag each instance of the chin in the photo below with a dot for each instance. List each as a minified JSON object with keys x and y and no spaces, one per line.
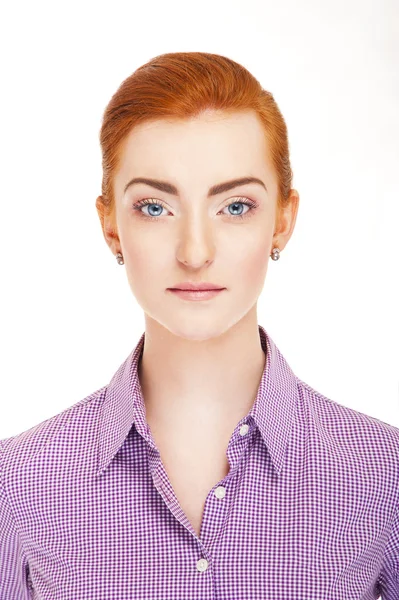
{"x":201,"y":327}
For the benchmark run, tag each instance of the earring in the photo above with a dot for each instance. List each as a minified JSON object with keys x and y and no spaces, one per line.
{"x":275,"y":254}
{"x":119,"y":258}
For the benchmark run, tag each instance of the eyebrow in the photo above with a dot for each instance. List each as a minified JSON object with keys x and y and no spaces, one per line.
{"x":219,"y":188}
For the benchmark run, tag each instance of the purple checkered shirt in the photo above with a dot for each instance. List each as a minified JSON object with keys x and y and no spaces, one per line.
{"x":308,"y":510}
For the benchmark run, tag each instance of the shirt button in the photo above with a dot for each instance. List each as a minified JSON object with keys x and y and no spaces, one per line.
{"x":202,"y":564}
{"x":220,"y":492}
{"x":244,"y":429}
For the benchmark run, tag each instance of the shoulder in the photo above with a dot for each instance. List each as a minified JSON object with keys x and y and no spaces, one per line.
{"x":64,"y":428}
{"x":349,"y":431}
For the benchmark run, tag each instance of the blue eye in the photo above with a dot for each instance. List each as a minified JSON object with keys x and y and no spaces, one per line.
{"x":151,"y":202}
{"x":237,"y":204}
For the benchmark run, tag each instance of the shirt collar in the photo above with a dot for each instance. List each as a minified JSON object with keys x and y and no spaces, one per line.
{"x":273,"y":410}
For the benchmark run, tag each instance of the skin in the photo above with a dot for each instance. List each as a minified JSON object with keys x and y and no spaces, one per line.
{"x":202,"y":361}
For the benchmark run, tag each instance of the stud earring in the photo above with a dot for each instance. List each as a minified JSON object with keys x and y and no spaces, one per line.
{"x":275,"y":254}
{"x":119,"y":258}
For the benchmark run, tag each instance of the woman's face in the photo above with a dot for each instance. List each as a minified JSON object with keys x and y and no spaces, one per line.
{"x":185,"y":234}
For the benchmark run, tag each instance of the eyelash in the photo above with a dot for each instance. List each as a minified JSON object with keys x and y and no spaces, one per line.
{"x":240,"y":200}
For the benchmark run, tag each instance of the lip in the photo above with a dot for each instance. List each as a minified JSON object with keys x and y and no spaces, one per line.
{"x":203,"y":285}
{"x":196,"y":294}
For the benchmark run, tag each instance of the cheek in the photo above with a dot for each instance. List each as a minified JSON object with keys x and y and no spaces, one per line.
{"x":144,"y":261}
{"x":140,"y":246}
{"x":137,"y":258}
{"x":147,"y":265}
{"x":252,"y":261}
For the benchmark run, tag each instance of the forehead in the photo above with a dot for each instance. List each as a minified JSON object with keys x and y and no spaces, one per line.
{"x":210,"y":147}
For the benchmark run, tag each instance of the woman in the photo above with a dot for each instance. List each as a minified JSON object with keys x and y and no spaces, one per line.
{"x":206,"y":468}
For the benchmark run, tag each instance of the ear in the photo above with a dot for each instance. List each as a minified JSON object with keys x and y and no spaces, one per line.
{"x":108,"y":225}
{"x":286,"y":220}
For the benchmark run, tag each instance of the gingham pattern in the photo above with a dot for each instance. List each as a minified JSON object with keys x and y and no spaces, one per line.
{"x":308,"y":510}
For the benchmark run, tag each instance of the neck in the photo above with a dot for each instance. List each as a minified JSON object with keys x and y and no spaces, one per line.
{"x":201,"y":381}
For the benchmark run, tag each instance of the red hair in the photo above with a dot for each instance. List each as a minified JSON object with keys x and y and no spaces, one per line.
{"x":180,"y":85}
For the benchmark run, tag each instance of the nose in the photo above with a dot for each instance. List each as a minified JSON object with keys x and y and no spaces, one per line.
{"x":196,"y":245}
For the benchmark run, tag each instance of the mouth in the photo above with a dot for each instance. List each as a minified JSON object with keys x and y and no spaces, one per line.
{"x":197,"y":286}
{"x":196,"y":289}
{"x":196,"y":294}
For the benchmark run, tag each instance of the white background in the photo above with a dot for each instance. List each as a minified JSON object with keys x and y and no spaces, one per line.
{"x":68,"y":317}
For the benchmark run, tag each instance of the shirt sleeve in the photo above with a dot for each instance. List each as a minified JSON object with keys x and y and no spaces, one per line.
{"x":389,"y":576}
{"x":13,"y":563}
